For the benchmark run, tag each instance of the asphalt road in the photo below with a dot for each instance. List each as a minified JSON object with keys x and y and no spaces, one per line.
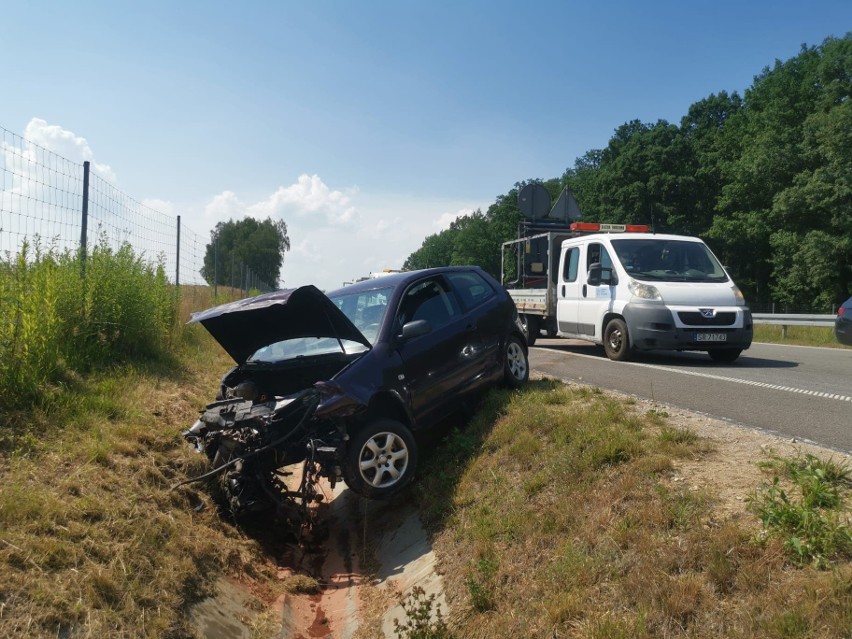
{"x":795,"y":391}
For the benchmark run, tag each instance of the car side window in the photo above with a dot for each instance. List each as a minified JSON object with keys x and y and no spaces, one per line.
{"x":471,"y":288}
{"x":428,"y":300}
{"x":572,"y":260}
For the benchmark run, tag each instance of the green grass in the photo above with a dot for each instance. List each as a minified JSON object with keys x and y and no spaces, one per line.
{"x":809,"y":517}
{"x":585,"y":533}
{"x":797,"y":335}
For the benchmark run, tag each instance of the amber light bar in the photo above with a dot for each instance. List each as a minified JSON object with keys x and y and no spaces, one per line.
{"x":594,"y":227}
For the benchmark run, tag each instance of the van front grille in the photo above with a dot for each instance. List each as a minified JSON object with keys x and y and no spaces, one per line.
{"x":694,"y":318}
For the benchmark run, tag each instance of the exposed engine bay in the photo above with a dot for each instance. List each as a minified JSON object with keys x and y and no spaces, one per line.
{"x":250,"y":443}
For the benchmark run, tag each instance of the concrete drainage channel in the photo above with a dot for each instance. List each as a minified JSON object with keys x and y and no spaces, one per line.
{"x":368,"y":556}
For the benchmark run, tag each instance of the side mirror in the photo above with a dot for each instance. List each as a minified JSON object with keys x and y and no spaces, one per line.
{"x":594,"y":277}
{"x":415,"y":329}
{"x":599,"y":275}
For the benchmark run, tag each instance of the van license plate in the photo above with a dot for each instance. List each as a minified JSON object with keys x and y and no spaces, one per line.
{"x":711,"y":337}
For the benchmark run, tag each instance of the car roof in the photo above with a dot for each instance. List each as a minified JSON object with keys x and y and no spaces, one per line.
{"x":397,"y":279}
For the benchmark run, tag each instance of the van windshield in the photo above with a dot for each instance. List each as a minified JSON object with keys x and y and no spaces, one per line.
{"x":668,"y":260}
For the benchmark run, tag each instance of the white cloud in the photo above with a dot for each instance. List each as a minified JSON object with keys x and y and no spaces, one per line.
{"x":308,"y":197}
{"x":38,"y":188}
{"x":444,"y":221}
{"x":65,"y":143}
{"x":223,"y":207}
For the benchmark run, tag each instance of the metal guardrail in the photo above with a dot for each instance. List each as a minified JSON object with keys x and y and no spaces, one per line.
{"x":791,"y":319}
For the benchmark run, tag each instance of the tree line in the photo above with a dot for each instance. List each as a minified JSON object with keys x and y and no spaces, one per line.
{"x":764,"y":178}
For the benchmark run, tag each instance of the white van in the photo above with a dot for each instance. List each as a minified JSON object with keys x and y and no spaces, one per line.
{"x":646,"y":291}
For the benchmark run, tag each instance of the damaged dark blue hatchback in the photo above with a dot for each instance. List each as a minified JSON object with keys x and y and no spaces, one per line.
{"x":343,"y":381}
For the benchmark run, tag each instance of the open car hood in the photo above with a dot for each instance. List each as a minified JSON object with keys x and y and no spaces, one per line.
{"x":246,"y":325}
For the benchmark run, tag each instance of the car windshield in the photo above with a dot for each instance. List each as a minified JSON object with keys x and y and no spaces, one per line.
{"x":303,"y":347}
{"x":668,"y":260}
{"x":365,"y":309}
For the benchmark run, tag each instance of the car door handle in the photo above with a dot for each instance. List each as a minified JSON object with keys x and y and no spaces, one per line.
{"x":563,"y":290}
{"x":584,"y":290}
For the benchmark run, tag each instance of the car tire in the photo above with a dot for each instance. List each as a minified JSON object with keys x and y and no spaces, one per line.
{"x":616,"y":341}
{"x":381,"y":459}
{"x":724,"y":354}
{"x":516,"y":365}
{"x":532,"y":328}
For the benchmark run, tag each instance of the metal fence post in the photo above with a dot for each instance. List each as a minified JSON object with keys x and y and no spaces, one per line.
{"x":177,"y":255}
{"x":85,"y":222}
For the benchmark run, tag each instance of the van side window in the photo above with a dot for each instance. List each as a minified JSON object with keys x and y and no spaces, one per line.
{"x":572,"y":260}
{"x":597,"y":253}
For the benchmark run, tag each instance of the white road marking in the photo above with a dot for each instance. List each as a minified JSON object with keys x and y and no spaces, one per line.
{"x":724,"y":378}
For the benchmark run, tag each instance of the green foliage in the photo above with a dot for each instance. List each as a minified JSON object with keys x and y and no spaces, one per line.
{"x":436,"y":250}
{"x":419,"y":622}
{"x":481,"y":585}
{"x":812,"y":527}
{"x":29,"y":335}
{"x":646,"y":175}
{"x":260,"y":245}
{"x":52,"y":321}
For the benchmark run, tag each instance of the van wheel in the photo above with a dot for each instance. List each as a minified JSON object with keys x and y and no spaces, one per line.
{"x":532,"y":328}
{"x":616,"y":341}
{"x":380,"y":459}
{"x":724,"y":354}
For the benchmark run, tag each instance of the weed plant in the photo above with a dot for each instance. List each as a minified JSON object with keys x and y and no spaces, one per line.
{"x":556,"y":513}
{"x":423,"y":618}
{"x":54,"y":323}
{"x":814,"y":527}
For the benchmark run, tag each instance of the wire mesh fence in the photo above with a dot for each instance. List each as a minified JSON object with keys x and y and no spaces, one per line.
{"x":49,"y":201}
{"x":40,"y":196}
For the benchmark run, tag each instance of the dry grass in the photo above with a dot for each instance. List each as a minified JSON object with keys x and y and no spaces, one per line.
{"x":92,"y":541}
{"x":302,"y":585}
{"x":556,"y":513}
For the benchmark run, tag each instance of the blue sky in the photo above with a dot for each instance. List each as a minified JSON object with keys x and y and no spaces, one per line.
{"x":368,"y":125}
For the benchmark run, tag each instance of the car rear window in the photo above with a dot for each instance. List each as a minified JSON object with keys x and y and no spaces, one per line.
{"x":471,"y":288}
